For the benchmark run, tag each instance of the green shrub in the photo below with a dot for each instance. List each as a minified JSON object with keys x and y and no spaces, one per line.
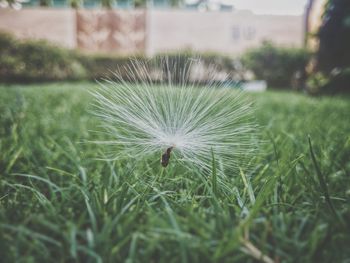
{"x":36,"y":60}
{"x":276,"y":65}
{"x":336,"y":82}
{"x":105,"y":66}
{"x":175,"y":61}
{"x":211,"y":62}
{"x":33,"y":60}
{"x":340,"y":82}
{"x":8,"y":57}
{"x":315,"y":82}
{"x":222,"y":62}
{"x":100,"y":66}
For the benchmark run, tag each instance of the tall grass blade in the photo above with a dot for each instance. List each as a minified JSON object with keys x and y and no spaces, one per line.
{"x":323,"y":184}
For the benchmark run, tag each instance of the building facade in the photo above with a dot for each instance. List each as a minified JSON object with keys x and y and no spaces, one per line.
{"x":152,"y":31}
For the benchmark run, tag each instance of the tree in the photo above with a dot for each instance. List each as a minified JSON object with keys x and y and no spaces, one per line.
{"x":308,"y":9}
{"x":334,"y":37}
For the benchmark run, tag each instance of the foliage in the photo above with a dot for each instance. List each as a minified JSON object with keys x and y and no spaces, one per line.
{"x":76,"y":3}
{"x":33,"y":60}
{"x":36,"y":61}
{"x":334,"y":37}
{"x":45,"y":2}
{"x":106,"y":66}
{"x":221,"y":61}
{"x":315,"y":82}
{"x":320,"y":83}
{"x":107,"y":3}
{"x":333,"y":54}
{"x":58,"y":202}
{"x":276,"y":65}
{"x":338,"y":82}
{"x":211,"y":64}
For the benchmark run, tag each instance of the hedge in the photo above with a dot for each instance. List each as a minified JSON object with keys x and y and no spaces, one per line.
{"x":36,"y":60}
{"x":277,"y":65}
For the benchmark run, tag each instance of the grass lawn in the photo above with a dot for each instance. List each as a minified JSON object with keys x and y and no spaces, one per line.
{"x":59,"y":203}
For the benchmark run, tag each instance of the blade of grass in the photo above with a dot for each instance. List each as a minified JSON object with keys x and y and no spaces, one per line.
{"x":248,"y":186}
{"x":214,"y":175}
{"x":323,"y":184}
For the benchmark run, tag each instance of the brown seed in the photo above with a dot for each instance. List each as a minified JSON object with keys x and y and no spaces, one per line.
{"x":166,"y":157}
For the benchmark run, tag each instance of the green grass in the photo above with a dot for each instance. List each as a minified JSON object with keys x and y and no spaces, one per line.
{"x":59,"y":203}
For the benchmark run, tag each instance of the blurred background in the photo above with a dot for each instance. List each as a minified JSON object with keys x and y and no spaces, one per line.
{"x":300,"y":45}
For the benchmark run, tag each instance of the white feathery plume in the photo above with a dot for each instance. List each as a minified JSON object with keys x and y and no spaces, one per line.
{"x":175,"y":117}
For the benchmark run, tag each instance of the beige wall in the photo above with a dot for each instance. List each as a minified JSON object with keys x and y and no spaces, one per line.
{"x":55,"y":25}
{"x":220,"y":31}
{"x":153,"y":31}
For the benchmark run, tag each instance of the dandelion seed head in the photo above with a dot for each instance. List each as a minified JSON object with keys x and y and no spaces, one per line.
{"x":148,"y":112}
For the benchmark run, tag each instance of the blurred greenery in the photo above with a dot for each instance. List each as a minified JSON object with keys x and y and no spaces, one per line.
{"x":23,"y":61}
{"x":333,"y":54}
{"x":60,"y":203}
{"x":334,"y":36}
{"x":106,"y":66}
{"x":36,"y":60}
{"x":279,"y":66}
